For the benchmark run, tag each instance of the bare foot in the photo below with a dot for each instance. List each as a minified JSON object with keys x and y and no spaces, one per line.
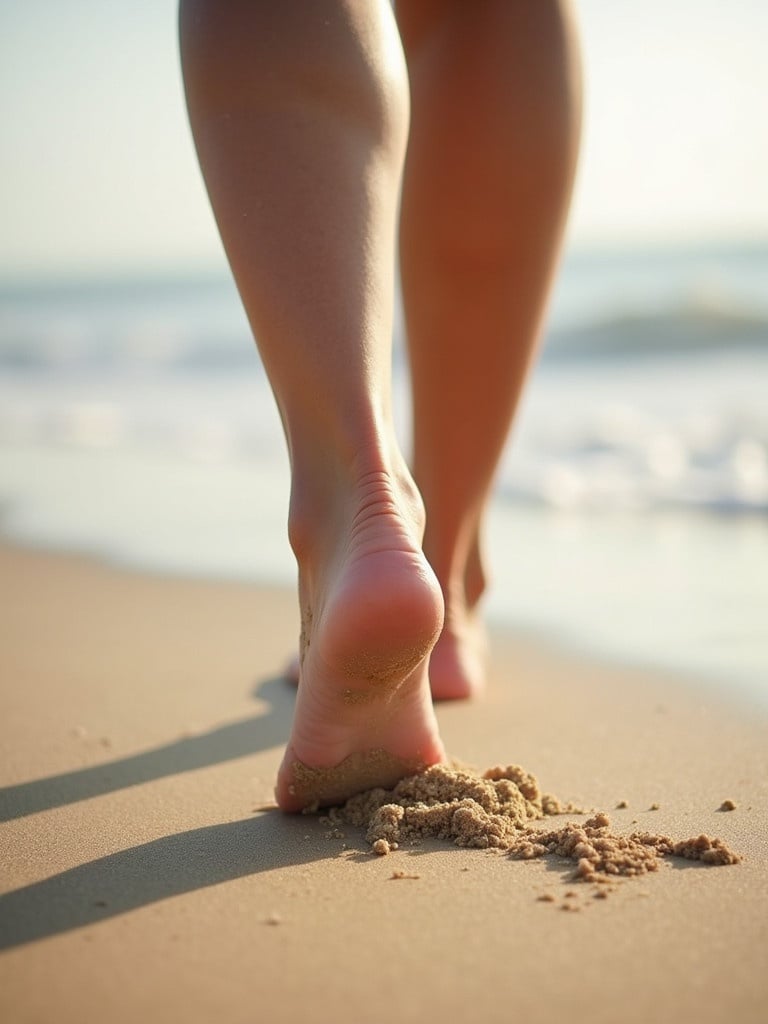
{"x":458,"y":665}
{"x":371,"y":612}
{"x":459,"y":661}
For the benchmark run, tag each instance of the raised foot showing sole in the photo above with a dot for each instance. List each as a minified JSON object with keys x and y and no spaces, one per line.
{"x":364,"y":713}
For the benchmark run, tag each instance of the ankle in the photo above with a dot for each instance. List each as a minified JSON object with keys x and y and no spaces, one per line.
{"x":371,"y":607}
{"x":475,"y":577}
{"x":335,"y":497}
{"x":459,"y":568}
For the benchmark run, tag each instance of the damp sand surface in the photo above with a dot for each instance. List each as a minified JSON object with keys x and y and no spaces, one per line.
{"x":496,"y":809}
{"x":146,"y":875}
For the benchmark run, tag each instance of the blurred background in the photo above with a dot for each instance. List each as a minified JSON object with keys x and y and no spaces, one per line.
{"x":136,"y":422}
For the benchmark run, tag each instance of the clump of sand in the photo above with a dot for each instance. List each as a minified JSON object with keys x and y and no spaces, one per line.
{"x":495,"y":810}
{"x":599,"y":852}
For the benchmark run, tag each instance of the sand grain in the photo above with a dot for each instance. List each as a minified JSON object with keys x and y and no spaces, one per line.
{"x":495,"y":811}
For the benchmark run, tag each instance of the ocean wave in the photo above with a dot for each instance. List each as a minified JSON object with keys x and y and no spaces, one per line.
{"x":693,"y":326}
{"x":606,"y":313}
{"x":718,"y":467}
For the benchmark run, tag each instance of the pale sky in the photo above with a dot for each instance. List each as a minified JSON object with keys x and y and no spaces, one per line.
{"x":99,"y":175}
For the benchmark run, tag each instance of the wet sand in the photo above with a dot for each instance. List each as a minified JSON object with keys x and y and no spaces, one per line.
{"x":142,"y":721}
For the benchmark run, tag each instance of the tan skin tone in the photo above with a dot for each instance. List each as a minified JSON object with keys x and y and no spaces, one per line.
{"x":301,"y":114}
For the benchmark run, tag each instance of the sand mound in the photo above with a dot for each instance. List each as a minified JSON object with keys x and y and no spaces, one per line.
{"x":495,"y":810}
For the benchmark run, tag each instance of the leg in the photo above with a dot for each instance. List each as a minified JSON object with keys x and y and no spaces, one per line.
{"x":494,"y":133}
{"x":300,"y":117}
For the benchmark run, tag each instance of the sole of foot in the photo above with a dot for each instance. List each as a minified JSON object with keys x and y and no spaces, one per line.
{"x":364,"y":713}
{"x":457,"y":665}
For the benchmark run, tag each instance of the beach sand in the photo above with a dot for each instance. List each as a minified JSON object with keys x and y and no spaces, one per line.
{"x":142,"y":722}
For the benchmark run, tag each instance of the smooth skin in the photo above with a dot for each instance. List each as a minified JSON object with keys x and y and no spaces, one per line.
{"x":302,"y":113}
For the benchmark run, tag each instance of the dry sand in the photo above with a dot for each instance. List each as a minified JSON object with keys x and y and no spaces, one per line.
{"x":142,"y":721}
{"x":494,"y":810}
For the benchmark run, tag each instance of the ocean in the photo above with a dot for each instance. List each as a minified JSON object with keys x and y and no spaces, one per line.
{"x":630,"y":518}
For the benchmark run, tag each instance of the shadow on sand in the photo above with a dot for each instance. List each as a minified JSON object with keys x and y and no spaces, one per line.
{"x":176,"y":864}
{"x":145,"y":874}
{"x":226,"y":743}
{"x":165,"y":867}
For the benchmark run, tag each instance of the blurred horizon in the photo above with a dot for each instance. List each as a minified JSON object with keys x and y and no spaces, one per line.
{"x":101,"y":180}
{"x":574,"y":251}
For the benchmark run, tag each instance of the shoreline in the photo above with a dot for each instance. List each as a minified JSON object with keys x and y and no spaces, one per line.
{"x":143,"y":719}
{"x":748,"y":693}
